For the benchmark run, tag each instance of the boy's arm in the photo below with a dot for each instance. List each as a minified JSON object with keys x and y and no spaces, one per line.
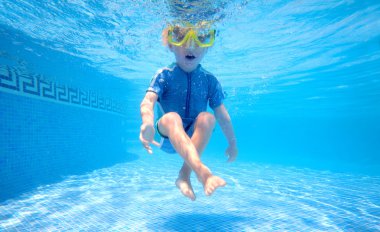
{"x":146,"y":107}
{"x":225,"y":123}
{"x":147,"y":115}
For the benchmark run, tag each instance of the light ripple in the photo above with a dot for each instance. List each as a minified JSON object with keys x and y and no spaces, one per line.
{"x":142,"y":196}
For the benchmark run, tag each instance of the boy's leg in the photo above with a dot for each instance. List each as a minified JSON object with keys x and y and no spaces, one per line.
{"x":203,"y":129}
{"x":171,"y":125}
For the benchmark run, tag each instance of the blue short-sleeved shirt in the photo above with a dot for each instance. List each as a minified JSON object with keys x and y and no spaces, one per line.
{"x":186,"y":93}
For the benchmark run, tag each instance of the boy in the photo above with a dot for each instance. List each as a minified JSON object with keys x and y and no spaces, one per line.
{"x":182,"y":91}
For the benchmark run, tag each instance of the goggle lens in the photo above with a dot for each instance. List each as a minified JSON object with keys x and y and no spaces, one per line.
{"x":205,"y":37}
{"x":178,"y":33}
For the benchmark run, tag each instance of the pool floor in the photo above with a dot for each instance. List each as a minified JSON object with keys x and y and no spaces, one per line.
{"x":141,"y":196}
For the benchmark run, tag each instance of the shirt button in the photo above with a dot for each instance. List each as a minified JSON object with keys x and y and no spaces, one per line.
{"x":184,"y":108}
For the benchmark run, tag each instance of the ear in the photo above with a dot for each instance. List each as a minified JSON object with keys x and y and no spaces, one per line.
{"x":170,"y":46}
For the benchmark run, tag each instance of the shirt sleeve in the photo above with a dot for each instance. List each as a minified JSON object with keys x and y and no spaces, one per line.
{"x":216,"y":95}
{"x":157,"y":84}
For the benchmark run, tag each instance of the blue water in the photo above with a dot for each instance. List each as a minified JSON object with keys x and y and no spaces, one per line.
{"x":303,"y":85}
{"x":140,"y":196}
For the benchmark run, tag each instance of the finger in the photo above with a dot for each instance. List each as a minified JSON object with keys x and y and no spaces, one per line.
{"x":155,"y":143}
{"x":148,"y":149}
{"x":231,"y":159}
{"x":143,"y":140}
{"x":228,"y":156}
{"x":145,"y":144}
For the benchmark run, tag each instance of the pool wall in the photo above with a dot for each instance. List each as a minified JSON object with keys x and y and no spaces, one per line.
{"x":57,"y":118}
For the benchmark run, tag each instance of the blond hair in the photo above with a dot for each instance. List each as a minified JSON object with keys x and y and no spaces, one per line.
{"x":164,"y":36}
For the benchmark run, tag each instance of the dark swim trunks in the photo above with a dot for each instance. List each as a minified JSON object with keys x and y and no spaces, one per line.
{"x":186,"y":94}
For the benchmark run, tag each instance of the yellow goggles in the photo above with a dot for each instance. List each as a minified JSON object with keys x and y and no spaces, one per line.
{"x":201,"y":34}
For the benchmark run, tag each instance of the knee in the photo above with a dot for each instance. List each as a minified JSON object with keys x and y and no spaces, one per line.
{"x":206,"y":120}
{"x":171,"y":118}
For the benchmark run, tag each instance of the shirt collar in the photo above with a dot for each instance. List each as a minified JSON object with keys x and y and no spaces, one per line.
{"x":196,"y":70}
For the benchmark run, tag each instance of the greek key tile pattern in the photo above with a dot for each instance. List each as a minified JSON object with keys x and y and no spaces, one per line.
{"x":34,"y":85}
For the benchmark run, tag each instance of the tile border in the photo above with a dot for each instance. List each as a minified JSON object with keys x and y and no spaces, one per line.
{"x":36,"y":86}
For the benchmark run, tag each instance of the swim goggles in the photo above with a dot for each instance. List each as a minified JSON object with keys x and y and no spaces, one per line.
{"x":201,"y":33}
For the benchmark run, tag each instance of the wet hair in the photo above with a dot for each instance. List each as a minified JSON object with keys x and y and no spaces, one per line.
{"x":197,"y":10}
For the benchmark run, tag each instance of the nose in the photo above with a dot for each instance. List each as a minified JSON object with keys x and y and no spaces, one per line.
{"x":190,"y":44}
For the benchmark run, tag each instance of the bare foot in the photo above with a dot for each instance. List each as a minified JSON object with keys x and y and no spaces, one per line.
{"x":185,"y":186}
{"x":212,"y":183}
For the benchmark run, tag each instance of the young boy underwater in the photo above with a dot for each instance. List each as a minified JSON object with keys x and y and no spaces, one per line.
{"x":182,"y":91}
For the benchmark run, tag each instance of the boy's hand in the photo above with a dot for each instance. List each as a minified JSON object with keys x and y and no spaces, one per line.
{"x":147,"y":136}
{"x":231,"y":152}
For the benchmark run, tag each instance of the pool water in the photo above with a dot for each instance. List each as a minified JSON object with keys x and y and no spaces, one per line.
{"x":302,"y":81}
{"x":141,"y":195}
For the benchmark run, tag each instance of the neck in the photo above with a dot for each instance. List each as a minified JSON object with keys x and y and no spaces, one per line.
{"x":186,"y":69}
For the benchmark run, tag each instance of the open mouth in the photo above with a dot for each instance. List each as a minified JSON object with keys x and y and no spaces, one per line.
{"x":190,"y":57}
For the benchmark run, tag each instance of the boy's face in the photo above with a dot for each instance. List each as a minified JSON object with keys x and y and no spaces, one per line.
{"x":188,"y":56}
